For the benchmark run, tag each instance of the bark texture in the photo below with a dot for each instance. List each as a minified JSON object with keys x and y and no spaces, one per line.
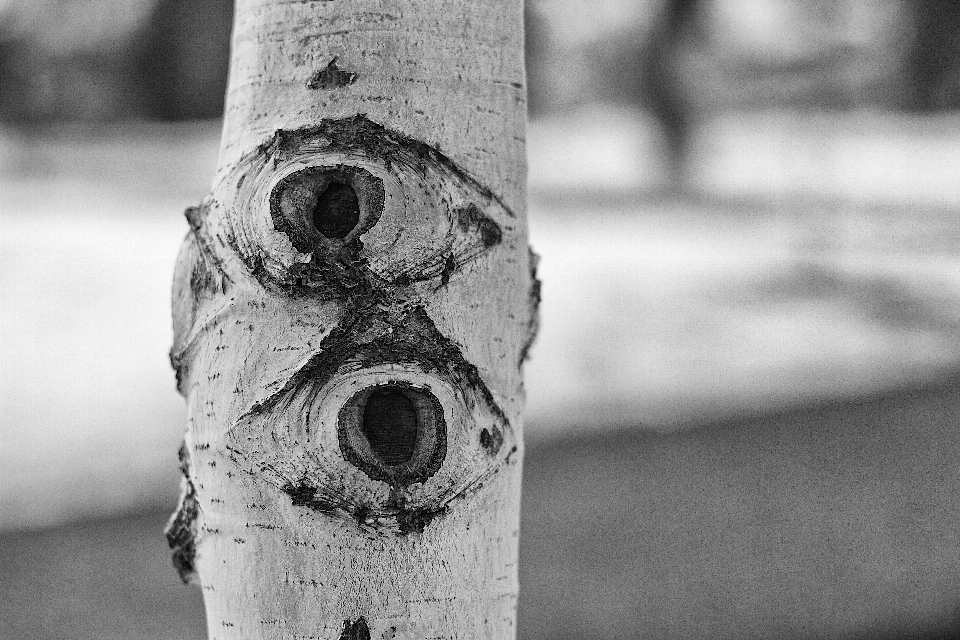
{"x":352,"y":307}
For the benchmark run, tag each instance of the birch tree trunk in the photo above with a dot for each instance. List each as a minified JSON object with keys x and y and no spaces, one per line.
{"x":352,"y":307}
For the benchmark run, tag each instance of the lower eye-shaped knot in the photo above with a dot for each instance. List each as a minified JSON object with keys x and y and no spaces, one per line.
{"x":386,"y":447}
{"x":394,"y":433}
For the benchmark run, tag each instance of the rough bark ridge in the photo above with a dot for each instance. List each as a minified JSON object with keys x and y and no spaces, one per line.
{"x":352,"y":307}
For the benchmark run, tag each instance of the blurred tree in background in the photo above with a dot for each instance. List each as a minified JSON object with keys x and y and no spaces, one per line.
{"x":935,"y":56}
{"x":680,"y":60}
{"x":183,"y":58}
{"x":70,"y":60}
{"x":109,"y":60}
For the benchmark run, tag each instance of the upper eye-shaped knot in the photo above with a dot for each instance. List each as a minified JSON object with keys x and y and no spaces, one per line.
{"x":350,"y":203}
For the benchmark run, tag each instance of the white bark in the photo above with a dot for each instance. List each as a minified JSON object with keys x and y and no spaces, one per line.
{"x":308,"y":342}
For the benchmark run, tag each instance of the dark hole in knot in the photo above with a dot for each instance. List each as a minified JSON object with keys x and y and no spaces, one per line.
{"x":337,"y":211}
{"x":391,"y":425}
{"x":393,"y":432}
{"x":317,"y":205}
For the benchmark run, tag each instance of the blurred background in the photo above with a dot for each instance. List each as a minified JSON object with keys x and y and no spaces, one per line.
{"x":745,"y":398}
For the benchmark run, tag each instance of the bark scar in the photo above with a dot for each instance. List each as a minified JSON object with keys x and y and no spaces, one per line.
{"x":470,"y":218}
{"x":181,"y":531}
{"x":357,"y":630}
{"x":331,"y":77}
{"x":403,"y":519}
{"x":533,"y":324}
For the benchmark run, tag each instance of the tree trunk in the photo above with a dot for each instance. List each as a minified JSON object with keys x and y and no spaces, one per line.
{"x":352,"y":307}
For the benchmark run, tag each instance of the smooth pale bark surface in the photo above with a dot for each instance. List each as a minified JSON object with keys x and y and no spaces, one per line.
{"x":308,"y":342}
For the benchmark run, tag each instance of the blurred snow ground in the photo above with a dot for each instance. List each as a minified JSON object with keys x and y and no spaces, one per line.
{"x":816,"y":257}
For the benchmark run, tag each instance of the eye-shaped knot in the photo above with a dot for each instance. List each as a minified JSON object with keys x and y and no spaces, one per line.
{"x":350,"y":206}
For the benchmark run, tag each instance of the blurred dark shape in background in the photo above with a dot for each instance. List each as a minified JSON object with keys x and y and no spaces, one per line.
{"x":168,"y":59}
{"x":701,"y":56}
{"x":111,"y":60}
{"x":656,"y":83}
{"x":535,"y":50}
{"x":183,"y":59}
{"x":70,"y":61}
{"x":935,"y":56}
